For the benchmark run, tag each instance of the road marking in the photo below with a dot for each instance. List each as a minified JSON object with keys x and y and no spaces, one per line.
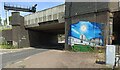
{"x":1,"y":53}
{"x":27,"y":58}
{"x":18,"y":62}
{"x":7,"y":52}
{"x":11,"y":51}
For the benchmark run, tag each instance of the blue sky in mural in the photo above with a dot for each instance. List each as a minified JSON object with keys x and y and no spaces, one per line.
{"x":89,"y":29}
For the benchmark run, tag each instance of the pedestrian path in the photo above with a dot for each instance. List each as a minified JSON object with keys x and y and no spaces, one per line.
{"x":58,"y":59}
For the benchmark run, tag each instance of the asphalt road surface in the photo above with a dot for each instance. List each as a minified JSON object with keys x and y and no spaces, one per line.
{"x":16,"y":56}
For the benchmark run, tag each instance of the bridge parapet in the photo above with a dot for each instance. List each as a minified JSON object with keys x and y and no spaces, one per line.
{"x":50,"y":14}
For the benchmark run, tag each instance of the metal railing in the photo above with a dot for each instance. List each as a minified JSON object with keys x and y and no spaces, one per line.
{"x":117,"y":57}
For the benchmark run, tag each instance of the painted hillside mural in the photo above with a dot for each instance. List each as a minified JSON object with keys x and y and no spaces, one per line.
{"x":86,"y":33}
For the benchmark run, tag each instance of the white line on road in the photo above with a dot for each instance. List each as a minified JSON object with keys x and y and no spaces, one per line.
{"x":1,"y":53}
{"x":18,"y":62}
{"x":6,"y":52}
{"x":27,"y":58}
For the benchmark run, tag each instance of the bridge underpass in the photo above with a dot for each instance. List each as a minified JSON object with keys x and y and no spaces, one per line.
{"x":46,"y":36}
{"x":45,"y":26}
{"x":39,"y":30}
{"x":116,"y":26}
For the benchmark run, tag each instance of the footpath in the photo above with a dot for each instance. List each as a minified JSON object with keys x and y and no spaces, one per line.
{"x":58,"y":59}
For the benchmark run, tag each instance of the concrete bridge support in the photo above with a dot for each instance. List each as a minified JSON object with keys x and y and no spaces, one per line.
{"x":19,"y":33}
{"x":93,"y":12}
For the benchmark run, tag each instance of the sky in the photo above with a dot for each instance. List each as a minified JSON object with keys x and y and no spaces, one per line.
{"x":41,"y":5}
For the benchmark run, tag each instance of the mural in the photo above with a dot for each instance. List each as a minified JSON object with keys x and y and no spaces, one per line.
{"x":86,"y":33}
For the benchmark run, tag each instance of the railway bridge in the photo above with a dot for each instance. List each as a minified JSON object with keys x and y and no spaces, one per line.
{"x":41,"y":29}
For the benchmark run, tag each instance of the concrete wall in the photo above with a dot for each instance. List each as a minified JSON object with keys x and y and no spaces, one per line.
{"x":7,"y":35}
{"x":77,"y":8}
{"x":16,"y":19}
{"x":92,"y":17}
{"x":19,"y":33}
{"x":20,"y":36}
{"x":86,"y":12}
{"x":99,"y":17}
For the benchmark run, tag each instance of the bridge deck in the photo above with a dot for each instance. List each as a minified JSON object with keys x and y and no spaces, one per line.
{"x":51,"y":14}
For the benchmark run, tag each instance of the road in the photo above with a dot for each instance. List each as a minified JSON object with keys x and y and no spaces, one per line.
{"x":16,"y":56}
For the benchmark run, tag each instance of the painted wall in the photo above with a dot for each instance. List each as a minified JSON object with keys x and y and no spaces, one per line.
{"x":86,"y":33}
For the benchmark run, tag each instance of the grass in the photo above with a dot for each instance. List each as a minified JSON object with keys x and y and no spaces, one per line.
{"x":87,"y":48}
{"x":7,"y":47}
{"x":82,"y":48}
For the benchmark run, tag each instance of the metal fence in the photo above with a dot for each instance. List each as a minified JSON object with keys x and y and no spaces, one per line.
{"x":117,"y":57}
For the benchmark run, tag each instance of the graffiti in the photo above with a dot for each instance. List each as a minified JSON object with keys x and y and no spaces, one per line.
{"x":86,"y":33}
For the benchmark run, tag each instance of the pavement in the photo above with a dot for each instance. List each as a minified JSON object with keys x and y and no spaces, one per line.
{"x":58,"y":59}
{"x":4,"y":51}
